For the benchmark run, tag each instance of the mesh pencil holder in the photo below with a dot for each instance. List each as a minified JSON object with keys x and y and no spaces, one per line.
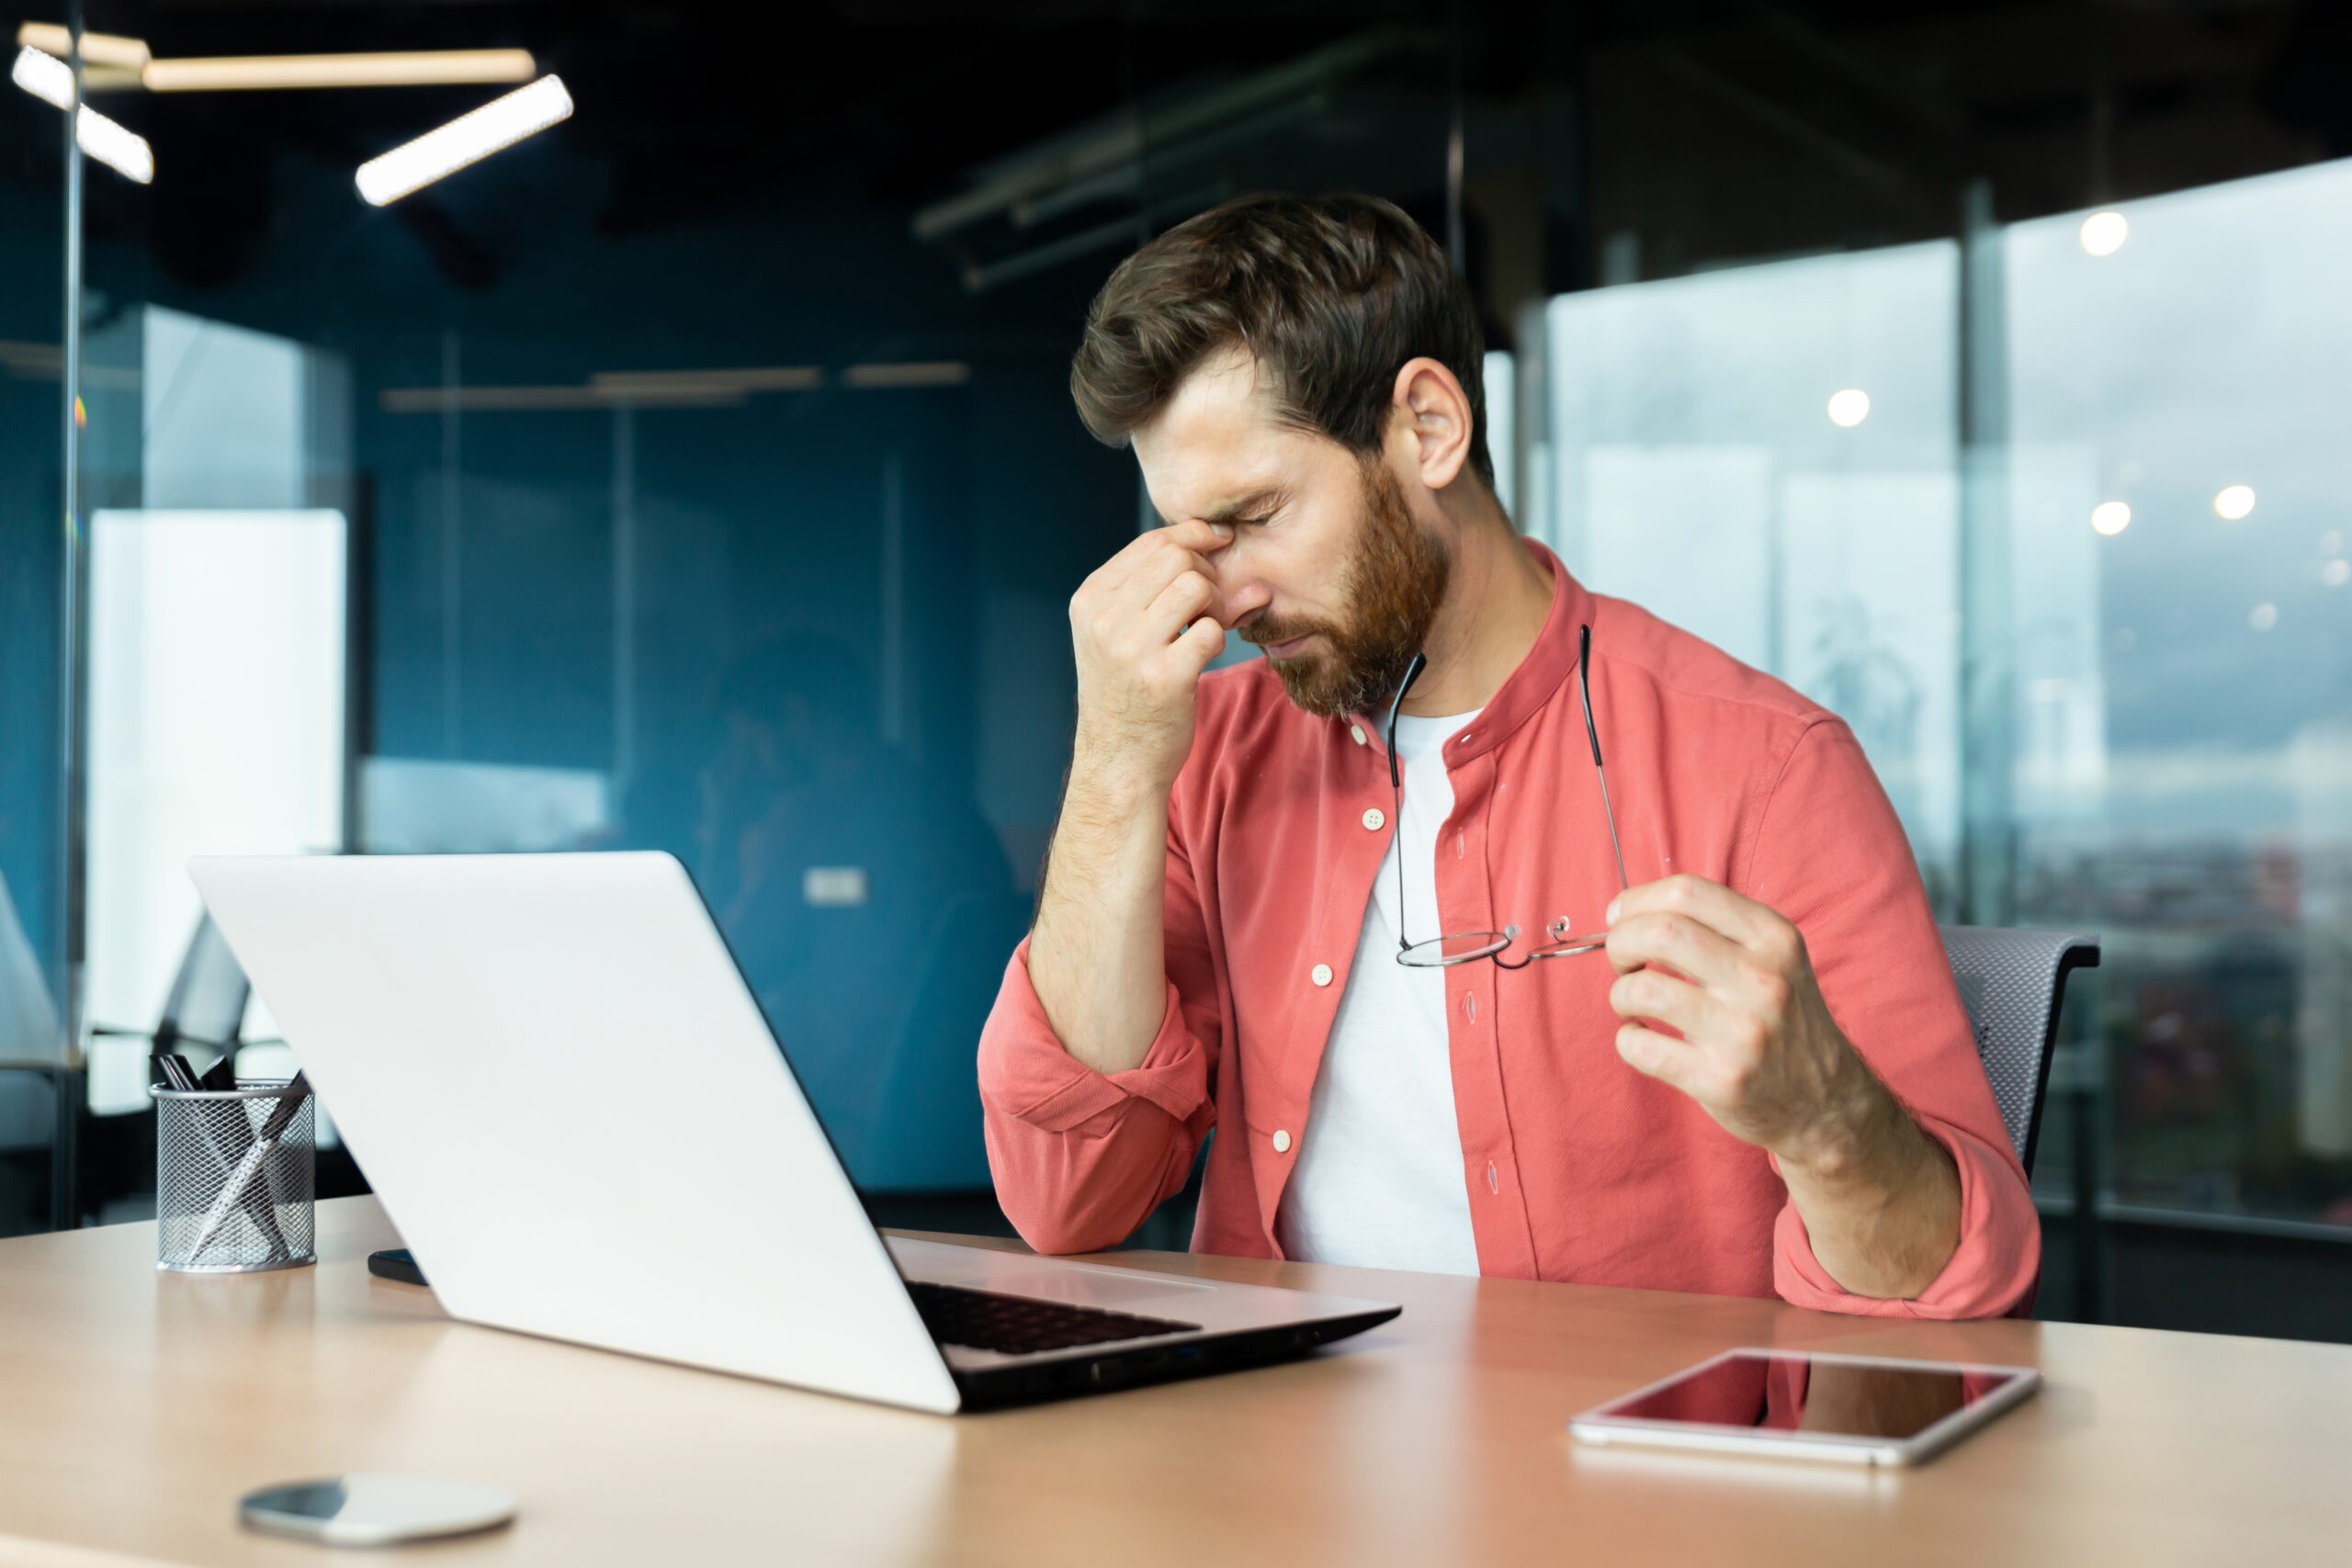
{"x":230,"y":1200}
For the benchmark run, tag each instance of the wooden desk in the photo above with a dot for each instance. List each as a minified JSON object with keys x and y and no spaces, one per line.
{"x":136,"y":1407}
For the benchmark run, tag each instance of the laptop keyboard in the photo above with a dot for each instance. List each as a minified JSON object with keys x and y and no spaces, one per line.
{"x":1022,"y":1325}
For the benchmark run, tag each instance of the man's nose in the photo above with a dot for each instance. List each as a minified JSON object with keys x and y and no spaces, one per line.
{"x":1244,"y":597}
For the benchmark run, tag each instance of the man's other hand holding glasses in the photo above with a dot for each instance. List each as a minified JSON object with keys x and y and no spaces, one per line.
{"x":1744,"y":1031}
{"x":1753,"y":1044}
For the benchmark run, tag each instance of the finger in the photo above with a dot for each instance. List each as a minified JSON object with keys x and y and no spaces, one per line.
{"x":1193,"y":536}
{"x":1678,"y":942}
{"x":1203,"y":538}
{"x":1698,"y":1015}
{"x":1200,"y":645}
{"x":1674,"y":1062}
{"x":1710,"y":903}
{"x":1153,"y":575}
{"x":1191,"y":597}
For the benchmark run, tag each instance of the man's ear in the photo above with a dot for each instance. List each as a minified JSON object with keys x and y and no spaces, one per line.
{"x":1434,"y":414}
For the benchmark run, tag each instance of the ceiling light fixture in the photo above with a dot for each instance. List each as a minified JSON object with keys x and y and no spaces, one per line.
{"x":2232,"y":503}
{"x":2110,"y":517}
{"x":50,"y":80}
{"x":548,"y":400}
{"x":753,"y":378}
{"x":97,"y":49}
{"x":913,"y":372}
{"x":43,"y":76}
{"x":1849,"y":407}
{"x":125,"y":152}
{"x":267,"y":73}
{"x":500,"y":123}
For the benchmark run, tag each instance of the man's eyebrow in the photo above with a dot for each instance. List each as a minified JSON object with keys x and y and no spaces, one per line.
{"x":1243,"y":507}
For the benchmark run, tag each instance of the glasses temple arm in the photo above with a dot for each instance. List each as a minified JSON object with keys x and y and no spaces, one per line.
{"x":1583,"y":680}
{"x":1396,"y":793}
{"x":1622,"y":882}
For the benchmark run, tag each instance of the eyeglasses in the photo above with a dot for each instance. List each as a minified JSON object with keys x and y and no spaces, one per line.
{"x":1465,"y":947}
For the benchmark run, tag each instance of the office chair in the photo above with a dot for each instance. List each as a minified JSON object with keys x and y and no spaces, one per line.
{"x":35,"y":1119}
{"x":2012,"y":982}
{"x":206,"y":1007}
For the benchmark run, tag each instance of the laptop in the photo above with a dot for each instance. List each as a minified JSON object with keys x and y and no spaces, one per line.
{"x":569,"y":1102}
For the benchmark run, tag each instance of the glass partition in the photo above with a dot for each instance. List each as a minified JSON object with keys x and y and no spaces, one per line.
{"x":2167,"y":545}
{"x":37,"y":1088}
{"x":2176,"y":411}
{"x":690,"y":466}
{"x":700,"y":480}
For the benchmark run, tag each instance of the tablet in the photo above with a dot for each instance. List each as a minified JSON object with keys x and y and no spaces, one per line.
{"x":1809,"y":1404}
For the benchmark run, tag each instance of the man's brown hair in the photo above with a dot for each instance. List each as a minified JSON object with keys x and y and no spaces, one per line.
{"x":1329,"y":294}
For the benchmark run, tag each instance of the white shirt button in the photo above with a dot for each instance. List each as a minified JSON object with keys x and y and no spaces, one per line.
{"x":1281,"y":1142}
{"x":1376,"y":818}
{"x":1320,"y":974}
{"x":1357,"y":731}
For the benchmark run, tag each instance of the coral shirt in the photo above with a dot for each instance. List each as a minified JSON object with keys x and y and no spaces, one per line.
{"x":1577,"y":1168}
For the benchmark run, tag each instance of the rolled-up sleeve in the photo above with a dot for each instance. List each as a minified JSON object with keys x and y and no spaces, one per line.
{"x":1081,"y":1157}
{"x":1830,"y":855}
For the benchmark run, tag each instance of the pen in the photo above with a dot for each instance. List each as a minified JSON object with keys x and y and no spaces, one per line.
{"x":290,"y":1101}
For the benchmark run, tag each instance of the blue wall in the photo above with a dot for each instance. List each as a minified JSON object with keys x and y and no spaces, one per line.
{"x":752,"y":524}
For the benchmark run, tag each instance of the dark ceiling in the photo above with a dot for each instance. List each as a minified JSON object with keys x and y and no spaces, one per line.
{"x":1721,"y":128}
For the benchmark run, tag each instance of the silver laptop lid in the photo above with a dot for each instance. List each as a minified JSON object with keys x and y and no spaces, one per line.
{"x":570,"y":1105}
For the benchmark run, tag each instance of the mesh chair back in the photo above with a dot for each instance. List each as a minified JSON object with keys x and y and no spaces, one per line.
{"x":2011,"y":981}
{"x":207,"y":1004}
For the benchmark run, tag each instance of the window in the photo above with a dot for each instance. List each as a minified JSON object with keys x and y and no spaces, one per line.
{"x":2157,"y":523}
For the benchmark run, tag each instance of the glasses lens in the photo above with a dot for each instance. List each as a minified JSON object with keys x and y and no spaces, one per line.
{"x":1461,"y":947}
{"x":1569,"y":946}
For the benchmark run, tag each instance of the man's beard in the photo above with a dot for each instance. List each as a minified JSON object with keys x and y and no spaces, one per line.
{"x":1393,"y":587}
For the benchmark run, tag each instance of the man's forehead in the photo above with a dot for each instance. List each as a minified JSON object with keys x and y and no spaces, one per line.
{"x":1216,"y":444}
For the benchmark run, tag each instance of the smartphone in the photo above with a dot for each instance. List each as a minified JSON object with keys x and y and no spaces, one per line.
{"x":396,"y":1263}
{"x":364,"y":1508}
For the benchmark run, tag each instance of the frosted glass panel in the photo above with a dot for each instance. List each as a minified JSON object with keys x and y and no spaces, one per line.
{"x":216,"y":727}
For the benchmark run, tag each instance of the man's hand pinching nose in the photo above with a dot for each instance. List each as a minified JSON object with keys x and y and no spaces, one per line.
{"x":1202,"y":540}
{"x":1144,"y":626}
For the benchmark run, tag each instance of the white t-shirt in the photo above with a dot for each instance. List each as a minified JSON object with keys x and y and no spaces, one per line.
{"x":1379,"y":1180}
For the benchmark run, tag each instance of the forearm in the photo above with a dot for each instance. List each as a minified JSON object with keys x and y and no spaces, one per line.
{"x":1096,"y":958}
{"x":1880,"y":1202}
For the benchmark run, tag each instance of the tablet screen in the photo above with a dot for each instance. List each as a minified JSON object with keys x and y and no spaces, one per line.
{"x":1825,"y":1396}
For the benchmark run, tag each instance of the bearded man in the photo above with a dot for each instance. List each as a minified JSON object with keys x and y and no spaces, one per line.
{"x":1367,"y":907}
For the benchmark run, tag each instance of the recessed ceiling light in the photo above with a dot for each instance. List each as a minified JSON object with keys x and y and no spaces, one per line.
{"x":2110,"y":517}
{"x":2103,"y":233}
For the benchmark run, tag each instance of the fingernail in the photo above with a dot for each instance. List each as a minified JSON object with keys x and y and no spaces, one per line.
{"x":1222,"y":530}
{"x":1610,"y":917}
